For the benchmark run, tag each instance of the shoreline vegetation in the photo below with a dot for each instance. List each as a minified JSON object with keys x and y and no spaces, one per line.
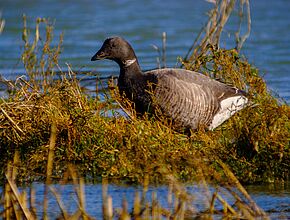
{"x":52,"y":131}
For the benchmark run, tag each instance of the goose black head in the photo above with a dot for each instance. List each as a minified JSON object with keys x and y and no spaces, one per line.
{"x":117,"y":49}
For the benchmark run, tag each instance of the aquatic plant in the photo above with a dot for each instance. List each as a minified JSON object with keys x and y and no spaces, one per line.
{"x":19,"y":204}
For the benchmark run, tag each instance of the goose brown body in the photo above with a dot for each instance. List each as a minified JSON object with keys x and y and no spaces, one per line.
{"x":189,"y":98}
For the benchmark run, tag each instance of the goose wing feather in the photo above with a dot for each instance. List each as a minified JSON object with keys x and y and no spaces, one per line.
{"x":189,"y":98}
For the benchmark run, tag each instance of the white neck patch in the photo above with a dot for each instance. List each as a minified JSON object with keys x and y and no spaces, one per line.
{"x":129,"y":62}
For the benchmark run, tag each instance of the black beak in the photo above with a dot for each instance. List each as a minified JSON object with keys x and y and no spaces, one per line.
{"x":100,"y":55}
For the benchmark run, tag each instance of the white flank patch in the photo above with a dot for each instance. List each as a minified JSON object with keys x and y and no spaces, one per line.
{"x":129,"y":62}
{"x":229,"y":107}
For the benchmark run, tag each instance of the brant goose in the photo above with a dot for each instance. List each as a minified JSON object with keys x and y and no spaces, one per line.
{"x":189,"y":98}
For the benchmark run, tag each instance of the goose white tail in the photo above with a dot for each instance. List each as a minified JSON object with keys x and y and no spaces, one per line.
{"x":228,"y":108}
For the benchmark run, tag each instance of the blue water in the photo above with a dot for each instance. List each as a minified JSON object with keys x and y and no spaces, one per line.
{"x":87,"y":23}
{"x":273,"y":199}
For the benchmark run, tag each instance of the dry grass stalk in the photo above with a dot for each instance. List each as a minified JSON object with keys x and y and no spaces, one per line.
{"x":11,"y":120}
{"x":233,"y":179}
{"x":49,"y":167}
{"x":241,"y":39}
{"x":21,"y":200}
{"x":52,"y":142}
{"x":64,"y":213}
{"x":227,"y":208}
{"x":107,"y":205}
{"x":164,"y":49}
{"x":80,"y":192}
{"x":2,"y":23}
{"x":137,"y":207}
{"x":12,"y":170}
{"x":7,"y":202}
{"x":33,"y":206}
{"x":212,"y":31}
{"x":17,"y":206}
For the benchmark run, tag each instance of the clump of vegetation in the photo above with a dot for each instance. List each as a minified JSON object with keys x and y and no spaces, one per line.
{"x":254,"y":143}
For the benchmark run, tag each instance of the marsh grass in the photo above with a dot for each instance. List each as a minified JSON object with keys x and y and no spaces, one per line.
{"x":2,"y":23}
{"x":254,"y":143}
{"x":48,"y":125}
{"x":179,"y":203}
